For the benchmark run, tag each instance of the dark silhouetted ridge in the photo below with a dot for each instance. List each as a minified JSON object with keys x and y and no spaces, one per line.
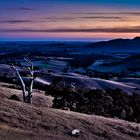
{"x":119,"y":44}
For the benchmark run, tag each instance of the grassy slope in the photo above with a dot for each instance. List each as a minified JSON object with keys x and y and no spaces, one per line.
{"x":22,"y":121}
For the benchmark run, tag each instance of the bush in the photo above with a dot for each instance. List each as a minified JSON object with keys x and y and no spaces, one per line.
{"x":109,"y":103}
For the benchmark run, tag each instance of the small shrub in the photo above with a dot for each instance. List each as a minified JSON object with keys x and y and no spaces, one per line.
{"x":14,"y":97}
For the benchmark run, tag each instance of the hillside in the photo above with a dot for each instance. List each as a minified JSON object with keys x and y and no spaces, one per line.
{"x":79,"y":80}
{"x":92,"y":83}
{"x":117,"y":45}
{"x":22,"y":121}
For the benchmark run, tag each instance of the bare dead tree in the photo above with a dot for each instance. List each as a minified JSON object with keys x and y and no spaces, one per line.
{"x":27,"y":97}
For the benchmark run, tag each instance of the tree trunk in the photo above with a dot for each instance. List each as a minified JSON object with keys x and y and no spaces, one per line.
{"x":23,"y":85}
{"x":29,"y":97}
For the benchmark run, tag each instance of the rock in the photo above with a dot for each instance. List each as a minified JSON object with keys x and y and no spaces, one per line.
{"x":65,"y":108}
{"x":75,"y":132}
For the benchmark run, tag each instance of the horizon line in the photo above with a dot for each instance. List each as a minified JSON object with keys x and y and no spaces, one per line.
{"x":59,"y":39}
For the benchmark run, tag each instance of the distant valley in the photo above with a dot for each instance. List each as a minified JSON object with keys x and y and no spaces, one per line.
{"x":84,"y":63}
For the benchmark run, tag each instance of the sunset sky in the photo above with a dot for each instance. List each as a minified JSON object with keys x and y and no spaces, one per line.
{"x":69,"y":20}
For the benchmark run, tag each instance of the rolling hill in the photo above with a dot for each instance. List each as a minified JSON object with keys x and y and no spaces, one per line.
{"x":117,"y":45}
{"x":22,"y":121}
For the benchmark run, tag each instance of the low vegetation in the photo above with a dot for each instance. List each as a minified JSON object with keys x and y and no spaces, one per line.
{"x":112,"y":103}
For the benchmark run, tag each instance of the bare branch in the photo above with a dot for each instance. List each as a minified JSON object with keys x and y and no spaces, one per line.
{"x":28,"y":61}
{"x":27,"y":98}
{"x":31,"y":70}
{"x":21,"y":80}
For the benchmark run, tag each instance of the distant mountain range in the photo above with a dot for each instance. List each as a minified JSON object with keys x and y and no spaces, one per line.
{"x":119,"y":45}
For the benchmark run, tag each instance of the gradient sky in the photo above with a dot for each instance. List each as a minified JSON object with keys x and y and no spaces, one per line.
{"x":69,"y":20}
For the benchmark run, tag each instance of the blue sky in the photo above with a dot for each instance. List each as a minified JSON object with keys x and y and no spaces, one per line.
{"x":63,"y":19}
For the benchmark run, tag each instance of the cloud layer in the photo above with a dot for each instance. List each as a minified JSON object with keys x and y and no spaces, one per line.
{"x":131,"y":29}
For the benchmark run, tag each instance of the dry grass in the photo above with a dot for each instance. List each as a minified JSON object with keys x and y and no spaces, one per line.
{"x":22,"y":121}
